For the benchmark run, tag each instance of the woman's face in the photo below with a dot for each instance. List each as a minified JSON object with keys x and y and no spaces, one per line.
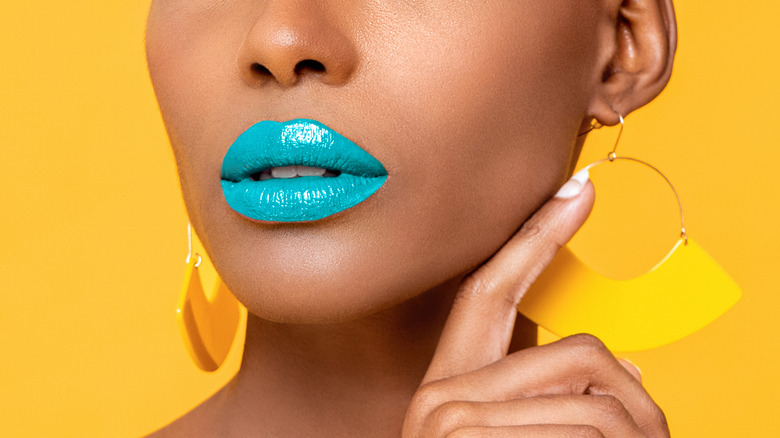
{"x":473,"y":108}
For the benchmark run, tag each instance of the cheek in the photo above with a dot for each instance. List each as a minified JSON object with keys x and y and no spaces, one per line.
{"x":191,"y":62}
{"x":489,"y":121}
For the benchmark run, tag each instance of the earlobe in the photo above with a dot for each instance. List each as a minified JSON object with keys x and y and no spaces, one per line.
{"x":643,"y":46}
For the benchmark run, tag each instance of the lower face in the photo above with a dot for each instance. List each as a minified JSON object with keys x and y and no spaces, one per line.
{"x":472,"y":107}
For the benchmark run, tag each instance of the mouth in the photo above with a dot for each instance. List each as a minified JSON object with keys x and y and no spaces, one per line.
{"x":299,"y":170}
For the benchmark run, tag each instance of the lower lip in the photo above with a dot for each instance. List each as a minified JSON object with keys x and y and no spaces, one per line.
{"x":306,"y":198}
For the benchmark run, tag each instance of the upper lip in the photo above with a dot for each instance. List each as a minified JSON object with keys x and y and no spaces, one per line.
{"x":306,"y":142}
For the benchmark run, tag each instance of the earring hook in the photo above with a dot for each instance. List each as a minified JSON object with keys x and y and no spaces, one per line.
{"x":594,"y":124}
{"x":190,"y":252}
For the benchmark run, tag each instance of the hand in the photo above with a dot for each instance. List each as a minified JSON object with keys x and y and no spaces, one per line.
{"x":573,"y":387}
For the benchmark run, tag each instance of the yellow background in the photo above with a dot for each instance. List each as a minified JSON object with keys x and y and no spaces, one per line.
{"x":92,"y":228}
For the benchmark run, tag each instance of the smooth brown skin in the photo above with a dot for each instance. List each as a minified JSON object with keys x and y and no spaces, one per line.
{"x":395,"y":317}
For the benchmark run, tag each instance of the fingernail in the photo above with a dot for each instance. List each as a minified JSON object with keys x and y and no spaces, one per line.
{"x":574,"y":185}
{"x":638,"y":371}
{"x":632,"y":363}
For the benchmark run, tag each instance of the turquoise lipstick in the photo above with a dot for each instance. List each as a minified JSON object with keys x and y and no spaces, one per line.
{"x":299,"y":170}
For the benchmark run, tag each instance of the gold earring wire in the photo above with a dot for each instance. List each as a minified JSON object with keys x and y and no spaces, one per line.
{"x":612,"y":156}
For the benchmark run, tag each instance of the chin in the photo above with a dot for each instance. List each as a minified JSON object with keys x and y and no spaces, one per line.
{"x":321,"y":284}
{"x":310,"y":299}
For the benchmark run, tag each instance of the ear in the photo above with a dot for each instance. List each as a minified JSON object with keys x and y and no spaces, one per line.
{"x":638,"y":54}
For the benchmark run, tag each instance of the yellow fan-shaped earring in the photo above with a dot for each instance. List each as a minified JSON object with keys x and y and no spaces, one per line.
{"x":681,"y":294}
{"x":208,"y":324}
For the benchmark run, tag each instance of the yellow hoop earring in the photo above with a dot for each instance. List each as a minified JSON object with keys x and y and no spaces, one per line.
{"x":681,"y":294}
{"x":208,"y":325}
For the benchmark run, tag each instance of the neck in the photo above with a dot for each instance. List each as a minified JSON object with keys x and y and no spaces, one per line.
{"x":347,"y":379}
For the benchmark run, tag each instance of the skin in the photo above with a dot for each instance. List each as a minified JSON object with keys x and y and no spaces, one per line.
{"x":397,"y":316}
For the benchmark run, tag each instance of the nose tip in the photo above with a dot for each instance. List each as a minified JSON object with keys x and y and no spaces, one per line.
{"x":288,"y":44}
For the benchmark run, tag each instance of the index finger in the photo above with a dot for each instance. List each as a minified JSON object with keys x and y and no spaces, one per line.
{"x":479,"y":327}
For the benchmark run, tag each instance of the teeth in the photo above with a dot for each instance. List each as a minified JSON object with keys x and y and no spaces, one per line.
{"x":284,"y":172}
{"x":309,"y":171}
{"x":292,"y":172}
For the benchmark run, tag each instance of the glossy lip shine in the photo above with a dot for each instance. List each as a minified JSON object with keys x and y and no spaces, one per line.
{"x":268,"y":144}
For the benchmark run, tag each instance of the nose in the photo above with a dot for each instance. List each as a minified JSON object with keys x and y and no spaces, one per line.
{"x":293,"y":39}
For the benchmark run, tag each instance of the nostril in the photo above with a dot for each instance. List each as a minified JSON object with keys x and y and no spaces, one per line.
{"x":309,"y":64}
{"x":260,"y":69}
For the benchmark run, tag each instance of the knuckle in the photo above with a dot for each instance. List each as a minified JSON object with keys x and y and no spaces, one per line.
{"x":451,"y":415}
{"x":475,"y":285}
{"x":539,"y":233}
{"x":590,"y":351}
{"x":485,"y":289}
{"x":610,"y":407}
{"x":428,"y":396}
{"x":532,"y":230}
{"x":588,"y":342}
